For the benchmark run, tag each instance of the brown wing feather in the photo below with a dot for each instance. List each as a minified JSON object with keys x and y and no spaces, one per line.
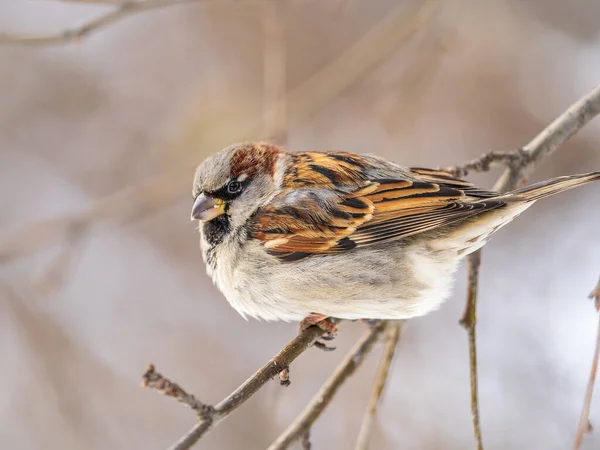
{"x":352,"y":211}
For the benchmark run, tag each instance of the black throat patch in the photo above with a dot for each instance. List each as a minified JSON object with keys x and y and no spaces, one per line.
{"x":216,"y":230}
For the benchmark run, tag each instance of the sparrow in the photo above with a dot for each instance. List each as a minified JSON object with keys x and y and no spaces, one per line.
{"x":304,"y":236}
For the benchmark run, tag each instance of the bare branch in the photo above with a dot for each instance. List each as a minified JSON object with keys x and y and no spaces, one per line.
{"x":584,"y":419}
{"x":211,"y":416}
{"x":132,"y":203}
{"x":548,"y":141}
{"x":484,"y":163}
{"x":154,"y":380}
{"x":468,"y":321}
{"x":522,"y":162}
{"x":302,"y":424}
{"x":366,"y":429}
{"x":122,"y":9}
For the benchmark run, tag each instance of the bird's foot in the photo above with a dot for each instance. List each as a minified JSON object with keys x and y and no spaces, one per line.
{"x":330,"y":330}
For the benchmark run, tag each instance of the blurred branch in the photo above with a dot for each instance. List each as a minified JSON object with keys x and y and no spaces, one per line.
{"x":519,"y":165}
{"x":413,"y":84}
{"x":395,"y":29}
{"x":548,"y":141}
{"x":56,"y":274}
{"x":274,"y":72}
{"x":468,"y":321}
{"x":132,"y":203}
{"x":584,"y":419}
{"x":210,"y":416}
{"x":301,"y":426}
{"x":137,"y":201}
{"x":366,"y":429}
{"x":122,"y":9}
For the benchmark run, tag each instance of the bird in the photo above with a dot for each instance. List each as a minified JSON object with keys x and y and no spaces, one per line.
{"x":308,"y":235}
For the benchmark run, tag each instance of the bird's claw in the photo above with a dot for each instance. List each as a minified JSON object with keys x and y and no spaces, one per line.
{"x":322,"y":321}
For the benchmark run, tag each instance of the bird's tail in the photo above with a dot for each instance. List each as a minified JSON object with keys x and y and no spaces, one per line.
{"x":546,"y":188}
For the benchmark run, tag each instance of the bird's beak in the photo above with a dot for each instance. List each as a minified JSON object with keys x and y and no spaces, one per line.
{"x":207,"y":208}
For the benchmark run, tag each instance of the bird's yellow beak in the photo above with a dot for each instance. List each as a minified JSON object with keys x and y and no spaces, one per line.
{"x":207,"y":208}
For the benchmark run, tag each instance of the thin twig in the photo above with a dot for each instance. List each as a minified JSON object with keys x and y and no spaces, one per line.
{"x":548,"y":141}
{"x":584,"y":419}
{"x":211,"y":416}
{"x":484,"y":163}
{"x":522,"y":162}
{"x":381,"y":376}
{"x":122,"y":9}
{"x":468,"y":321}
{"x":355,"y":357}
{"x":154,"y":380}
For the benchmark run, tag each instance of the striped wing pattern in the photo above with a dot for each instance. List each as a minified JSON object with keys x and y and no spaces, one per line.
{"x":331,"y":207}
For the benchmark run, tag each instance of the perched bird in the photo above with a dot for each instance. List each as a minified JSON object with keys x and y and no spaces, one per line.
{"x":302,"y":236}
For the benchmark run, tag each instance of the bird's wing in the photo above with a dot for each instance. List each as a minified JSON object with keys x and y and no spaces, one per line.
{"x":331,"y":206}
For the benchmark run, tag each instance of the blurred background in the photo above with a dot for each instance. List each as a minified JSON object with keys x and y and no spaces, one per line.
{"x":100,"y":267}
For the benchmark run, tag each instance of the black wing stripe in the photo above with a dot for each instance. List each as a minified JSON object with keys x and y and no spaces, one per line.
{"x":406,"y":226}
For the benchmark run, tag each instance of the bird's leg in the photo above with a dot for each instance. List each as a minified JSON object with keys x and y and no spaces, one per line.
{"x":322,"y":321}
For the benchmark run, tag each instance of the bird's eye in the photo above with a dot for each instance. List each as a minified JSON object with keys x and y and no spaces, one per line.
{"x":234,"y":187}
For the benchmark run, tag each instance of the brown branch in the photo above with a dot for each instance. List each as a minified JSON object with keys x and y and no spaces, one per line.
{"x":122,"y":9}
{"x":584,"y":419}
{"x":154,"y":380}
{"x":522,"y":162}
{"x":212,"y":415}
{"x":302,"y":424}
{"x":381,"y":376}
{"x":468,"y":321}
{"x":550,"y":139}
{"x":485,"y":162}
